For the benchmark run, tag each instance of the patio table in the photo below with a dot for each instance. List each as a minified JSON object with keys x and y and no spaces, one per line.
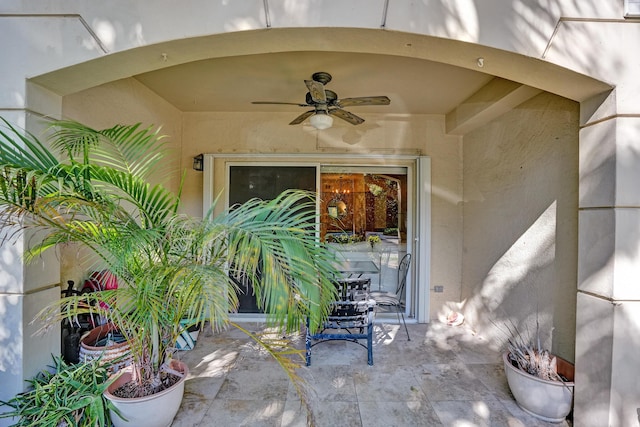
{"x":359,"y":267}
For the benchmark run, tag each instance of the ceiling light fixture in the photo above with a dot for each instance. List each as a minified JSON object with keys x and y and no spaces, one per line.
{"x":321,"y":121}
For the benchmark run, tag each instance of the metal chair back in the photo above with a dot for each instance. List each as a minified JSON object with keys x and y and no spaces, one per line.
{"x":403,"y":270}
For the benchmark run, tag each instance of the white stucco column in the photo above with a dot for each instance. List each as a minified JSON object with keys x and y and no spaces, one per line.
{"x":603,"y":44}
{"x":608,"y":302}
{"x":25,"y":289}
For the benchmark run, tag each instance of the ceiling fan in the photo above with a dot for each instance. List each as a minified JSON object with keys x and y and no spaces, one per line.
{"x":326,"y":103}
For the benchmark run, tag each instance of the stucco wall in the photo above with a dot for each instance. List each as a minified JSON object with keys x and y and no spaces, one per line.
{"x":126,"y":101}
{"x":229,"y":133}
{"x":521,"y":222}
{"x":446,"y":220}
{"x":250,"y":135}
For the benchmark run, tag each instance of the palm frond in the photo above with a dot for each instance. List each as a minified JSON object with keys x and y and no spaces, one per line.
{"x":275,"y":239}
{"x":23,"y":149}
{"x":126,"y":148}
{"x":153,"y":204}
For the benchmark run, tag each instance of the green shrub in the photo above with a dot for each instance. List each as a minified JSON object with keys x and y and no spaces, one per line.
{"x":68,"y":395}
{"x":390,"y":231}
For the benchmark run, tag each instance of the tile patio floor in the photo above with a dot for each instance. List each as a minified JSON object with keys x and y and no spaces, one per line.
{"x":444,"y":376}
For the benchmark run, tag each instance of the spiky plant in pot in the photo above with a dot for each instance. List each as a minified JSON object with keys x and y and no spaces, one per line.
{"x":528,"y":355}
{"x":540,"y":382}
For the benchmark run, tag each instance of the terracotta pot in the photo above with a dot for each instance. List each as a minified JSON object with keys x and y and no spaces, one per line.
{"x":156,"y":410}
{"x":550,"y":401}
{"x":89,"y":351}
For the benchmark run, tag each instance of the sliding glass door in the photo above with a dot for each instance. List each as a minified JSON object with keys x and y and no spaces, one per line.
{"x":365,"y":214}
{"x":264,"y":182}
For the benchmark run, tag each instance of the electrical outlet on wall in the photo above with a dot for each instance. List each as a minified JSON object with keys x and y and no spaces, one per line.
{"x":438,"y":289}
{"x":632,"y":8}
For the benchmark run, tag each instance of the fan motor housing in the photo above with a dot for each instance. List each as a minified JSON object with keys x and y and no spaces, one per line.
{"x":330,"y":95}
{"x":321,"y":77}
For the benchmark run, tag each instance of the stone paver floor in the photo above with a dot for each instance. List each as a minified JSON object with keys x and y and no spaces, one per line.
{"x":444,"y":376}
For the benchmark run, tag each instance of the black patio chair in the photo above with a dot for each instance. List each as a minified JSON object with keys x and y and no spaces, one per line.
{"x":351,"y":318}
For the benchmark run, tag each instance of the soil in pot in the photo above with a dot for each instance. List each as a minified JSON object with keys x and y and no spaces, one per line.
{"x":131,"y":390}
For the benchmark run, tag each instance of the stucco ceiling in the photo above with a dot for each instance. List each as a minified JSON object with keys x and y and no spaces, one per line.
{"x":415,"y":86}
{"x":421,"y":75}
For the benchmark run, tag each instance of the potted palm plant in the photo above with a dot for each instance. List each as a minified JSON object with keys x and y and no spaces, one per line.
{"x":92,"y":187}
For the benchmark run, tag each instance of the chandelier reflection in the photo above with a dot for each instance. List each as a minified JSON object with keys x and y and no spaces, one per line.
{"x":337,"y":207}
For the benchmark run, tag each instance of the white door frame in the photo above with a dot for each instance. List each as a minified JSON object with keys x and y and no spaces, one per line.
{"x":422,"y":237}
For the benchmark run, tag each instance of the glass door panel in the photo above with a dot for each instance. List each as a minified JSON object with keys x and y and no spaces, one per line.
{"x":265,"y":182}
{"x":363,"y":217}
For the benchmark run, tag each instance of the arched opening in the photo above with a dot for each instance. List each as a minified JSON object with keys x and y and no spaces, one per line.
{"x":441,"y":98}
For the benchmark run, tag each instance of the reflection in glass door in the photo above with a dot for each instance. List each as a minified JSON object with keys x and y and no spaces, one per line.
{"x":264,"y":182}
{"x":363,"y":217}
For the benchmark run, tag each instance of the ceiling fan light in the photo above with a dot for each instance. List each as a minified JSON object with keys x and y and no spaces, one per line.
{"x":321,"y":121}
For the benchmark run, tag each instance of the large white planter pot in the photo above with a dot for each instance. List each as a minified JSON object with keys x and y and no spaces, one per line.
{"x":550,"y":401}
{"x":156,"y":410}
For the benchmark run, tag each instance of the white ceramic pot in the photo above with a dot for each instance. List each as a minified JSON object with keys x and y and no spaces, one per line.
{"x":550,"y":401}
{"x":156,"y":410}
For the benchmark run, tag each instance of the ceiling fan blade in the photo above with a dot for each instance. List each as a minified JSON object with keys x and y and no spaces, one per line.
{"x":345,"y":115}
{"x":280,"y":103}
{"x":316,"y":90}
{"x":302,"y":117}
{"x":364,"y":100}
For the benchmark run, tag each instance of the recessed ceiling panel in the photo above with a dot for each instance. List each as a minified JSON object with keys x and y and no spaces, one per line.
{"x":230,"y":84}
